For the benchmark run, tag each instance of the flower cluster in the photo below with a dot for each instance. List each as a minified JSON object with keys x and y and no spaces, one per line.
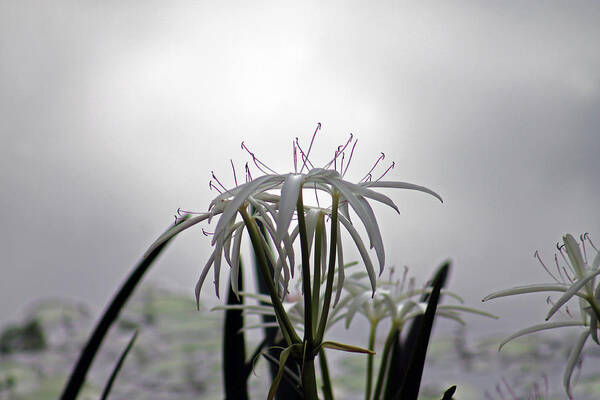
{"x":273,"y":198}
{"x":575,"y":276}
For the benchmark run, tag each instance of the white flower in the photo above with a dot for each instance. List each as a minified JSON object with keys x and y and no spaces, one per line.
{"x":575,"y":277}
{"x":274,"y":197}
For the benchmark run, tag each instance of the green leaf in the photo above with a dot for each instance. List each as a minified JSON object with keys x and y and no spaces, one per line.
{"x":345,"y":347}
{"x":412,"y":380}
{"x":234,"y":345}
{"x":117,"y":367}
{"x":87,"y":355}
{"x":282,"y":360}
{"x":449,"y":393}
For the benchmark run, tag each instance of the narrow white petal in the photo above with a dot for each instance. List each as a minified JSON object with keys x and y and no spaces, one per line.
{"x":466,"y":309}
{"x":239,"y":199}
{"x":572,"y":292}
{"x":574,"y":254}
{"x":361,"y":249}
{"x":203,"y":277}
{"x":174,"y":231}
{"x":356,"y":304}
{"x":364,"y":191}
{"x":377,"y":239}
{"x":287,"y":205}
{"x":235,"y":260}
{"x":541,"y":287}
{"x":596,"y":262}
{"x":402,"y":185}
{"x":572,"y":360}
{"x":217,"y":269}
{"x":368,"y":218}
{"x":537,"y":328}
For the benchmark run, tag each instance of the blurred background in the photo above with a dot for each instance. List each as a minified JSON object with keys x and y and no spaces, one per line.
{"x":113,"y":115}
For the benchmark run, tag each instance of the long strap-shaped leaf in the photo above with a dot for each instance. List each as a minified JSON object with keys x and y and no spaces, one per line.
{"x":401,"y":352}
{"x":88,"y":353}
{"x":117,"y":368}
{"x":412,"y":380}
{"x":235,"y":378}
{"x":449,"y":393}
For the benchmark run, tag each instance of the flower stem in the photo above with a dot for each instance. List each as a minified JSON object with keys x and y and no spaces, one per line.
{"x":308,"y":322}
{"x":284,"y":322}
{"x":370,"y":359}
{"x":319,"y":232}
{"x":309,"y":381}
{"x":327,"y":390}
{"x":389,"y":342}
{"x":331,"y":269}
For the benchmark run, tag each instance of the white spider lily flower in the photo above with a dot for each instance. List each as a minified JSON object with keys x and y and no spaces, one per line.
{"x":397,"y":300}
{"x":575,"y":276}
{"x":274,"y":198}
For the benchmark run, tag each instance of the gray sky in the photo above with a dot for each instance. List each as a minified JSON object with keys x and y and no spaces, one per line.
{"x":113,"y":114}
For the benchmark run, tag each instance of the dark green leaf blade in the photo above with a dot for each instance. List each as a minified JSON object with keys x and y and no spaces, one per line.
{"x":412,"y":380}
{"x":449,"y":393}
{"x":87,"y":355}
{"x":117,"y":367}
{"x":234,"y":348}
{"x":401,"y":351}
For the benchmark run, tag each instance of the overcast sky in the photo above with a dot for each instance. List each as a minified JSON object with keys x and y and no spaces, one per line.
{"x":113,"y":114}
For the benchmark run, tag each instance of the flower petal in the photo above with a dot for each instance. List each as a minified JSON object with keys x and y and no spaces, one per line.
{"x":287,"y":205}
{"x":572,"y":292}
{"x":361,"y":249}
{"x":537,"y":328}
{"x":402,"y":185}
{"x":572,"y":360}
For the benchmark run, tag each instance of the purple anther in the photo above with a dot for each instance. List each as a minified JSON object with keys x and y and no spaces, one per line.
{"x":381,"y":157}
{"x":386,"y":171}
{"x":350,"y":158}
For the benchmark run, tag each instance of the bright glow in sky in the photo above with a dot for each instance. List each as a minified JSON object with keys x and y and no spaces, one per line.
{"x":113,"y":114}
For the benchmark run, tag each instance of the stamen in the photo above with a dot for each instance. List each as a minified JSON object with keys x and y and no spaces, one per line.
{"x":350,"y":158}
{"x":218,"y":181}
{"x":211,"y":186}
{"x":381,"y":157}
{"x":500,"y":391}
{"x":514,"y":396}
{"x":560,"y":249}
{"x":537,"y":255}
{"x":587,"y":236}
{"x":206,"y":233}
{"x":303,"y":155}
{"x":338,"y":152}
{"x":558,"y":267}
{"x":248,"y":174}
{"x":310,"y":145}
{"x":386,"y":171}
{"x":295,"y":157}
{"x":257,"y":162}
{"x":234,"y":175}
{"x":342,"y":162}
{"x":568,"y":311}
{"x":567,"y":274}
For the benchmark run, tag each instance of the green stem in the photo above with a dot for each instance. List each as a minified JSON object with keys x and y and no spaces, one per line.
{"x":308,"y":323}
{"x":327,"y":390}
{"x":387,"y":349}
{"x":370,"y":359}
{"x":331,"y":270}
{"x":284,"y":322}
{"x":309,"y":381}
{"x":595,"y":306}
{"x":319,"y":231}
